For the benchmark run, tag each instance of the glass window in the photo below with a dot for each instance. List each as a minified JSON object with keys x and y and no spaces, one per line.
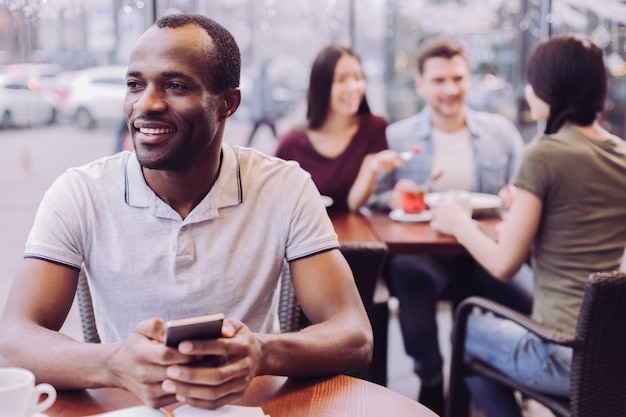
{"x":49,"y":39}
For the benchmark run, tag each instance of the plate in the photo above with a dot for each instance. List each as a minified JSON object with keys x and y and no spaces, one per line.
{"x":478,"y":201}
{"x":400,"y":216}
{"x":327,"y":201}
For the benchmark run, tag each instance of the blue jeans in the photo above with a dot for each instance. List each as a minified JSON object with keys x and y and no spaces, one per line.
{"x":512,"y":349}
{"x":419,"y":281}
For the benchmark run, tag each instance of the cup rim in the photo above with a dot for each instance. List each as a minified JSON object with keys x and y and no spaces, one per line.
{"x":27,"y":377}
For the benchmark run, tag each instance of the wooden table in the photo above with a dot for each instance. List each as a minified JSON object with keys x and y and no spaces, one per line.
{"x":352,"y":227}
{"x":418,"y":238}
{"x":339,"y":396}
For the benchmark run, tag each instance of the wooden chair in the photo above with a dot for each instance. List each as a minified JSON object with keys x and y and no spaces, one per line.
{"x":598,"y":379}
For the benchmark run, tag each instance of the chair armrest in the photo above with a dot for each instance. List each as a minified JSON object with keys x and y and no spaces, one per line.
{"x":546,"y":333}
{"x":459,"y":369}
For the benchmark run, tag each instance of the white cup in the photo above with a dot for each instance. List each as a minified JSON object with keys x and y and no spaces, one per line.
{"x":19,"y":396}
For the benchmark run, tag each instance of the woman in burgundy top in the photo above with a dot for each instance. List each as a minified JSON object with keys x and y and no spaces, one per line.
{"x":343,"y":145}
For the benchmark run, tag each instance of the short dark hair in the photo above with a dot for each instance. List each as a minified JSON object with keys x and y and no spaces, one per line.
{"x":568,"y":73}
{"x":438,"y":48}
{"x":321,"y":81}
{"x":225,"y":61}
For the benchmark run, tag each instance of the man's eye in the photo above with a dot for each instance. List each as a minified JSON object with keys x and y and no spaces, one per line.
{"x":176,"y":86}
{"x":131,"y":84}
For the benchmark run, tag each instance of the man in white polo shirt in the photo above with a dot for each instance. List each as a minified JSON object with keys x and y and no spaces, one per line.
{"x":183,"y":226}
{"x":466,"y":150}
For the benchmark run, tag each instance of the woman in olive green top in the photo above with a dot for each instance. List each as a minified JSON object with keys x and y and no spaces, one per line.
{"x":569,"y":211}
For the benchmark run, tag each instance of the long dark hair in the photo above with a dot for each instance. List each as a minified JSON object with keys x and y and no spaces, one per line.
{"x":568,"y":73}
{"x":320,"y":84}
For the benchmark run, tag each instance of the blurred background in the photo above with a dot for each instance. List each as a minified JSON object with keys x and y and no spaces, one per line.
{"x":46,"y":44}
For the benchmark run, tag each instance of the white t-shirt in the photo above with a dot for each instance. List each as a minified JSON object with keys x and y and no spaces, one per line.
{"x":143,"y":261}
{"x":453,"y":157}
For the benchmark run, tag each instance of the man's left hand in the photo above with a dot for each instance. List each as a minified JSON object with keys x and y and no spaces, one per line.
{"x":221,"y":377}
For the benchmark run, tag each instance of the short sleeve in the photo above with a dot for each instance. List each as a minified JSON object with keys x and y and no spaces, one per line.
{"x":535,"y":172}
{"x":310,"y":228}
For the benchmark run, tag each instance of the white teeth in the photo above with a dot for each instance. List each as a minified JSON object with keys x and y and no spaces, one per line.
{"x":155,"y":131}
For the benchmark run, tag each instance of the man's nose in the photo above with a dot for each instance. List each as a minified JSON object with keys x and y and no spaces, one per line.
{"x":150,"y":101}
{"x":450,"y":87}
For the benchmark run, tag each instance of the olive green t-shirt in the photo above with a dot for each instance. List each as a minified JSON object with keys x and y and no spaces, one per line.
{"x":582,"y":184}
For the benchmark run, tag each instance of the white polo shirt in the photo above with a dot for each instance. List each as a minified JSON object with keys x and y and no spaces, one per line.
{"x":143,"y":260}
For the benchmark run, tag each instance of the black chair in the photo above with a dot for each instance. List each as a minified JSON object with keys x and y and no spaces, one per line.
{"x":366,"y":260}
{"x":598,"y":380}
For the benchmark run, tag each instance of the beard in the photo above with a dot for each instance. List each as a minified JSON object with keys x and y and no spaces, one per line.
{"x":178,"y":156}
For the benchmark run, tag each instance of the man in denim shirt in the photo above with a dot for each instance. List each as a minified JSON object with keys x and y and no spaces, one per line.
{"x":465,"y":149}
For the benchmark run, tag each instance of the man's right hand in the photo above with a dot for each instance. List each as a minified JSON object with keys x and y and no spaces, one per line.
{"x":140,"y":362}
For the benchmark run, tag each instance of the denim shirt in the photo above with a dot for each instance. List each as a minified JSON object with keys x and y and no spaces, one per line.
{"x":496,"y":146}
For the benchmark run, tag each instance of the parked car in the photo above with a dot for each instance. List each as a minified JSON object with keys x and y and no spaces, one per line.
{"x":22,"y":104}
{"x":45,"y":77}
{"x":96,"y":96}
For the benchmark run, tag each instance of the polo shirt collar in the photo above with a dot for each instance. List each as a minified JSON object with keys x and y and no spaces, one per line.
{"x":227,"y":190}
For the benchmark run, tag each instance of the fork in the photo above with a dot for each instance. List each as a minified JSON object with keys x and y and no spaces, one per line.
{"x":406,"y":155}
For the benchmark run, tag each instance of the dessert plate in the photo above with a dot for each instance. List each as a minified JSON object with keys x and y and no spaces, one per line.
{"x":478,"y":201}
{"x":400,"y":216}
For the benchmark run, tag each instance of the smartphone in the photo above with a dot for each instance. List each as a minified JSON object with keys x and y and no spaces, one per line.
{"x":200,"y":327}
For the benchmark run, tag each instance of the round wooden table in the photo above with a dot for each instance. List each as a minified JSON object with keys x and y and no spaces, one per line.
{"x":340,"y":396}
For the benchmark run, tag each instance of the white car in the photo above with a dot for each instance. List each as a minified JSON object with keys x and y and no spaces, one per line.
{"x":96,"y":96}
{"x":22,"y":104}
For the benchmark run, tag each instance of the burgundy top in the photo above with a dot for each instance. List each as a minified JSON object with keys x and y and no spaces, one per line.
{"x":334,"y":177}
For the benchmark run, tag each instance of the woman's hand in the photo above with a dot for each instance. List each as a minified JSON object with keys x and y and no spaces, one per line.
{"x":385,"y":161}
{"x":448,"y":218}
{"x":507,"y":194}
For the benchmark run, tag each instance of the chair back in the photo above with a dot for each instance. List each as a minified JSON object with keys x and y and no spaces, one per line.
{"x":85,"y":307}
{"x":366,"y":259}
{"x":289,"y":312}
{"x":366,"y":262}
{"x":598,"y":374}
{"x":598,"y":384}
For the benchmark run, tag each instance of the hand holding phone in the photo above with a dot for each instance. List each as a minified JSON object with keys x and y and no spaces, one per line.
{"x":200,"y":327}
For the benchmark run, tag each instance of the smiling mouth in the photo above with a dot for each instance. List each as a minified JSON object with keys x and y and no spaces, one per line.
{"x":153,"y":131}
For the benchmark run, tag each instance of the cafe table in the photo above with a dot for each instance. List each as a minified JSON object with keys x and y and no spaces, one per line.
{"x":418,"y":237}
{"x":340,"y":396}
{"x":352,"y":227}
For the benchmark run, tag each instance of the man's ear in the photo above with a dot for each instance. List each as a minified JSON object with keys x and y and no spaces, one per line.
{"x":417,"y":82}
{"x":231,"y":101}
